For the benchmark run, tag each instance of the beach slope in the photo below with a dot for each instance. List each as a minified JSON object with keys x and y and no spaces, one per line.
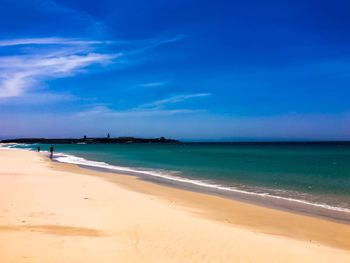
{"x":59,"y":215}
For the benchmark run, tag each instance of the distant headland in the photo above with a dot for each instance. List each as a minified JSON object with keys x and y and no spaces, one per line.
{"x":85,"y":139}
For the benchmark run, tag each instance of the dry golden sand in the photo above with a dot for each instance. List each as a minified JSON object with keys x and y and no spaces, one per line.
{"x":56,"y":213}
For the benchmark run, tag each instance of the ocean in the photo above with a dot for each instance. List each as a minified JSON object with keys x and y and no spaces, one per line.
{"x":307,"y":176}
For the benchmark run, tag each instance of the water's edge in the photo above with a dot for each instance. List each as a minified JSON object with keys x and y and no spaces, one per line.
{"x":250,"y":198}
{"x":338,"y":214}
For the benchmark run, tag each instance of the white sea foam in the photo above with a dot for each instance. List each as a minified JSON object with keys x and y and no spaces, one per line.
{"x":17,"y":146}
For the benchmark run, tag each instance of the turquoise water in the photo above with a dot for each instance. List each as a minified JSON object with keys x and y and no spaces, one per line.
{"x":315,"y":173}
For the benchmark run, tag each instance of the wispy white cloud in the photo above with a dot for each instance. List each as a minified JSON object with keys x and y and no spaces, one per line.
{"x":50,"y":41}
{"x":55,"y":57}
{"x":173,"y":99}
{"x":152,"y":84}
{"x":168,"y":40}
{"x":21,"y":72}
{"x":144,"y":45}
{"x":155,"y":108}
{"x":104,"y":111}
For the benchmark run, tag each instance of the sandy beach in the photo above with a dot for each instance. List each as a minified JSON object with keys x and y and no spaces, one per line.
{"x":52,"y":212}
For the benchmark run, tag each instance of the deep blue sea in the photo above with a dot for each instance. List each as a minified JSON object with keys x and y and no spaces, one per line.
{"x":313,"y":174}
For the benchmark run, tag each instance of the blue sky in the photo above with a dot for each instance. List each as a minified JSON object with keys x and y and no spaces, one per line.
{"x":184,"y":69}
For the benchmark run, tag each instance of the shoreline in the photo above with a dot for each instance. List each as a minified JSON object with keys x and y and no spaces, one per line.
{"x":118,"y":218}
{"x":272,"y":202}
{"x":213,"y":206}
{"x":261,"y":197}
{"x":300,"y":206}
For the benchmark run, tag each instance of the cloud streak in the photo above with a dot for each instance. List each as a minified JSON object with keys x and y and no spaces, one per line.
{"x":155,"y":108}
{"x":21,"y":72}
{"x":105,"y":112}
{"x":49,"y":41}
{"x":36,"y":60}
{"x":172,"y":100}
{"x":152,"y":84}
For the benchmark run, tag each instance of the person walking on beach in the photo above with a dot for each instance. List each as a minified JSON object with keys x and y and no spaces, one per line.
{"x":51,"y":152}
{"x":38,"y":148}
